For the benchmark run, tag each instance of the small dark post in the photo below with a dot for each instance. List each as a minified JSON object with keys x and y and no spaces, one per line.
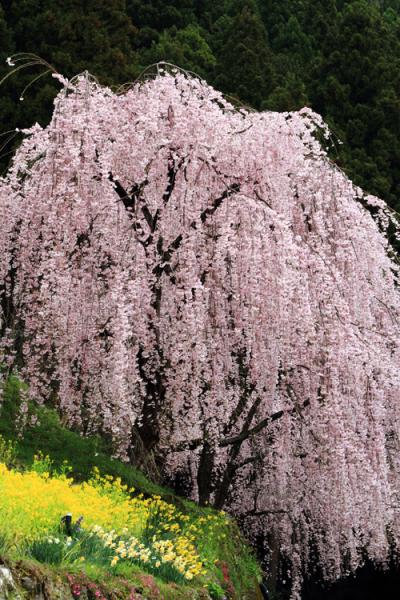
{"x":67,"y":522}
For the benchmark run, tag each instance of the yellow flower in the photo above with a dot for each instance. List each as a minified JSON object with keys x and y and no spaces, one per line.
{"x":32,"y":503}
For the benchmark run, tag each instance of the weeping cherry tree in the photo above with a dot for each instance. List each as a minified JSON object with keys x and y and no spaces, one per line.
{"x":204,"y":280}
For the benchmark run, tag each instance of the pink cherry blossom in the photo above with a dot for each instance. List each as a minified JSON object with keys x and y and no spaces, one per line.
{"x":205,"y":280}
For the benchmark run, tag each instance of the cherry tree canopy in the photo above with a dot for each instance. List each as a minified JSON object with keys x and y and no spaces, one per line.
{"x":205,"y":280}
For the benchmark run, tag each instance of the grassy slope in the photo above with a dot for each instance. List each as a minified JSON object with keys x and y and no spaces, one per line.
{"x":83,"y":453}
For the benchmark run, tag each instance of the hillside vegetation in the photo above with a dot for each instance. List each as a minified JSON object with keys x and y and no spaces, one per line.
{"x":128,"y":537}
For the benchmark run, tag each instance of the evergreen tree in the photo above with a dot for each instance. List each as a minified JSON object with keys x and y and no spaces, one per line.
{"x":186,"y":48}
{"x":97,"y":36}
{"x":244,"y":65}
{"x":159,"y":15}
{"x":356,"y":88}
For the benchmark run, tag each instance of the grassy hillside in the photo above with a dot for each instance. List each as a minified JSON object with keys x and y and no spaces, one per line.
{"x":137,"y":539}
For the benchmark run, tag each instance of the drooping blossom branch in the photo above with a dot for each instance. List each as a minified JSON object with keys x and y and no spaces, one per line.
{"x":205,"y":279}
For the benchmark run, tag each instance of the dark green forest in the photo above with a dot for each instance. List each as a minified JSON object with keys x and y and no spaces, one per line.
{"x":340,"y":57}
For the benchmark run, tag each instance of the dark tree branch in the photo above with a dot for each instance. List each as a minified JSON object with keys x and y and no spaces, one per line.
{"x":262,"y":513}
{"x":173,"y":169}
{"x":166,"y":255}
{"x":210,"y":210}
{"x":130,"y":200}
{"x":242,"y":382}
{"x":242,"y":130}
{"x":251,"y":414}
{"x":232,"y":189}
{"x":261,"y":199}
{"x":248,"y":461}
{"x":244,"y":435}
{"x":188,"y":445}
{"x":151,"y":220}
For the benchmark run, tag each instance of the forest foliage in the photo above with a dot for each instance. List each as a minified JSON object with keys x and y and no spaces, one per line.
{"x":339,"y":57}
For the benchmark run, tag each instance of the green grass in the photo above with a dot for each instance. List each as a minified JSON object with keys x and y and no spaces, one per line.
{"x":84,"y":453}
{"x":50,"y":437}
